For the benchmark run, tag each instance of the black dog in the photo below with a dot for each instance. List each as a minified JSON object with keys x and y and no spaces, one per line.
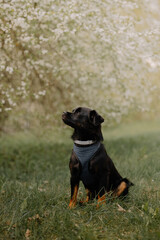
{"x":89,"y":161}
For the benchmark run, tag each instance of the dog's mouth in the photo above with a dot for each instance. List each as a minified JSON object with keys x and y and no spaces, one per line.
{"x":67,"y":119}
{"x":64,"y":116}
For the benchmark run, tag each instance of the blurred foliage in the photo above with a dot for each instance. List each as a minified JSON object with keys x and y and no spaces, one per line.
{"x":56,"y":55}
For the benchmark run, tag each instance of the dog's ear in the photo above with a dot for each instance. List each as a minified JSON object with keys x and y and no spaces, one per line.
{"x":95,"y":118}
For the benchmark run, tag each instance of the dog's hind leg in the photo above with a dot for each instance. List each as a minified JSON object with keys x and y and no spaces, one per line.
{"x":120,"y":189}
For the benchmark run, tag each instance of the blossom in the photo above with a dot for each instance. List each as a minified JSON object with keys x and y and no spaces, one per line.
{"x":9,"y":69}
{"x":103,"y":54}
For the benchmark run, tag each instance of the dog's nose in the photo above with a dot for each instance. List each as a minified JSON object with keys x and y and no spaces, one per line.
{"x":64,"y":115}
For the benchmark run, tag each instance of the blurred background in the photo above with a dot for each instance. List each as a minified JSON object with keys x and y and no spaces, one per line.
{"x":57,"y":55}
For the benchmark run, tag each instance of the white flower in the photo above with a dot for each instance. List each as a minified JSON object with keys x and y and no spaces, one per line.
{"x":42,"y":93}
{"x":8,"y":109}
{"x":9,"y":69}
{"x":44,"y":51}
{"x":23,"y":83}
{"x":36,"y":96}
{"x":153,"y":63}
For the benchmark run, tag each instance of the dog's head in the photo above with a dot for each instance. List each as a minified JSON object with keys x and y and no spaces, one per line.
{"x":82,"y":118}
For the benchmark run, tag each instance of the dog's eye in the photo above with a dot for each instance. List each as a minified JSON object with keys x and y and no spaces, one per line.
{"x":77,"y":110}
{"x":91,"y":117}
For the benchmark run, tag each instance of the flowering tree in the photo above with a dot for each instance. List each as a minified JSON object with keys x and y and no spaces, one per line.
{"x":56,"y":55}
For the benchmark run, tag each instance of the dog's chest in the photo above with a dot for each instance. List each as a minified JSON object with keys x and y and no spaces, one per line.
{"x":85,"y":154}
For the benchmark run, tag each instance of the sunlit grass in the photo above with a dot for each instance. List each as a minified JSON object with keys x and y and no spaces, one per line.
{"x":35,"y":189}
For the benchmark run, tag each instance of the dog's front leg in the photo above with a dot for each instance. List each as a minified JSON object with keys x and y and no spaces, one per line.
{"x":101,"y":198}
{"x":74,"y":191}
{"x":102,"y":189}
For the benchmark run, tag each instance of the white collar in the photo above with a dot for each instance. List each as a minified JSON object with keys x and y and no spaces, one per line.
{"x":84,"y":143}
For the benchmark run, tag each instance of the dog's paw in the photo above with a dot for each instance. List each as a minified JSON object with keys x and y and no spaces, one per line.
{"x":72,"y":204}
{"x":101,"y":200}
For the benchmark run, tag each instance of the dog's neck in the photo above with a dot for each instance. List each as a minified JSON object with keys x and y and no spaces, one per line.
{"x":87,"y":135}
{"x":84,"y":143}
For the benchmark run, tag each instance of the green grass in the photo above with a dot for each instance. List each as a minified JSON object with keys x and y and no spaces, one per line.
{"x":35,"y":189}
